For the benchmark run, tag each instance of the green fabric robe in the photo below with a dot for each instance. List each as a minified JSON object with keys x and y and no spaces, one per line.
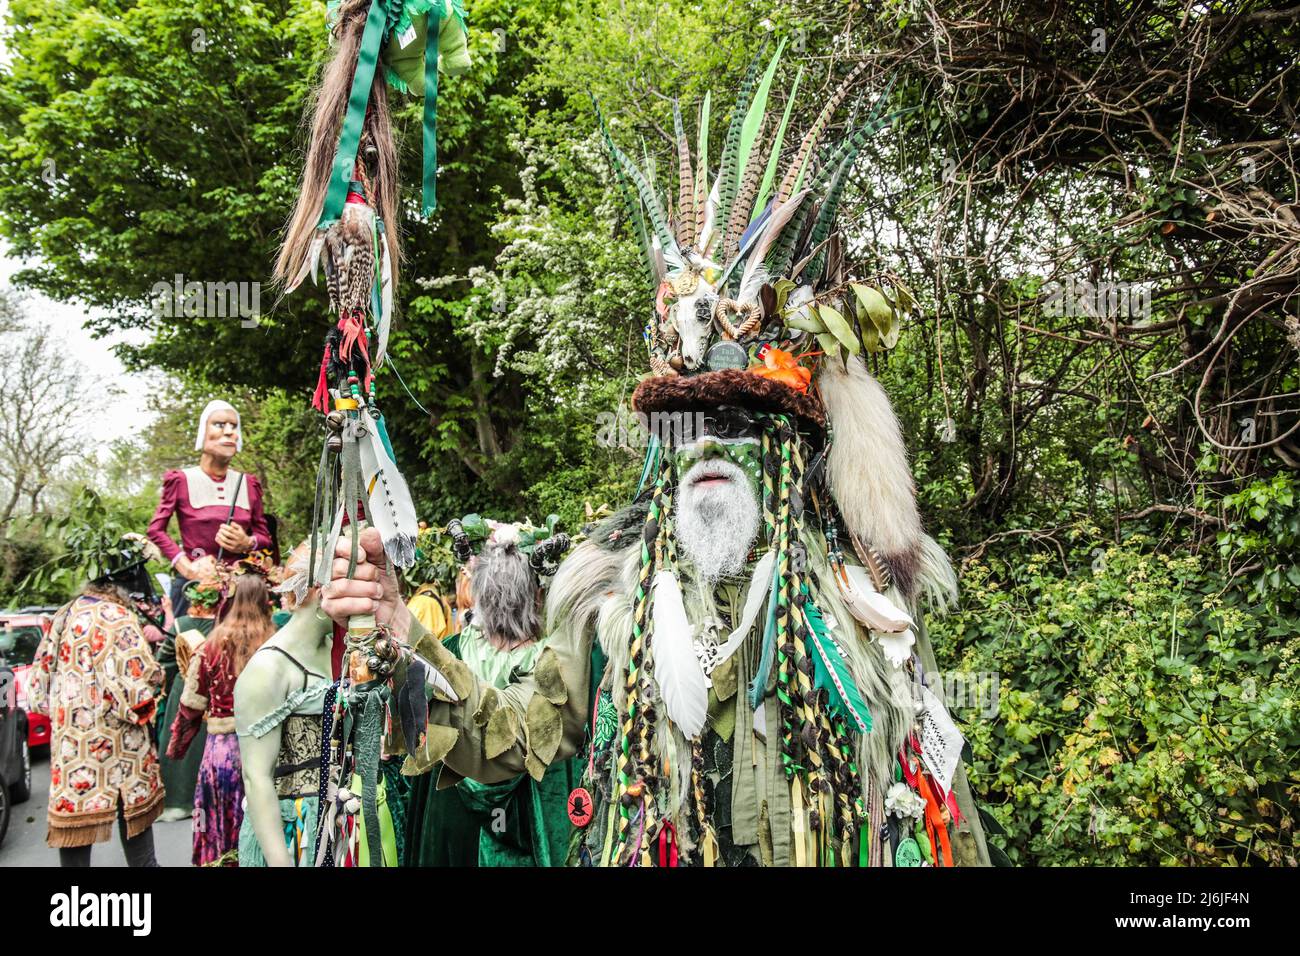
{"x":179,"y":776}
{"x":517,"y":822}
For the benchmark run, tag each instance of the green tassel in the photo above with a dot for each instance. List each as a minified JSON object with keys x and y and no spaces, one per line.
{"x":430,"y":197}
{"x":651,"y":463}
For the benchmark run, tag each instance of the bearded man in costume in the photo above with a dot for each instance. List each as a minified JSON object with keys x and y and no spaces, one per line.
{"x":738,"y":656}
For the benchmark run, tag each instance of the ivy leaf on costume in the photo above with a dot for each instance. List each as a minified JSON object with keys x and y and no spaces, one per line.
{"x":475,"y":527}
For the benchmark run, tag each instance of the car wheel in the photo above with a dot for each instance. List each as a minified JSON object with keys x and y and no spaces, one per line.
{"x":4,"y":810}
{"x":21,"y":790}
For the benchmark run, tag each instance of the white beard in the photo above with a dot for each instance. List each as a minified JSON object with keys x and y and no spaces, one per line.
{"x":716,"y":523}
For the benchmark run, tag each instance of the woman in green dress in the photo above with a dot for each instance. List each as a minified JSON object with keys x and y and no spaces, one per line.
{"x":192,"y":629}
{"x":522,"y":821}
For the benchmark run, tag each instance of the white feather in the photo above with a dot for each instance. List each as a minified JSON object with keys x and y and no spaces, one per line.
{"x":309,"y":263}
{"x":868,"y":605}
{"x":389,"y":506}
{"x":434,"y":678}
{"x":385,"y":317}
{"x":759,"y":586}
{"x":676,"y":668}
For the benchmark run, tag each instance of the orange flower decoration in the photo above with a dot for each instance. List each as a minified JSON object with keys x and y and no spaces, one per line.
{"x":781,"y":366}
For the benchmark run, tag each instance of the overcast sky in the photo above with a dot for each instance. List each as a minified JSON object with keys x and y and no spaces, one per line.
{"x":121,"y":416}
{"x":124,"y":415}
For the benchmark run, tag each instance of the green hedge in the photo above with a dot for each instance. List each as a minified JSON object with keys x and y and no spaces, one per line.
{"x":1146,"y":712}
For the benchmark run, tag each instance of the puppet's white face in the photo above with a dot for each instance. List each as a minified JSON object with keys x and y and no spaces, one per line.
{"x":691,"y":315}
{"x":221,"y":438}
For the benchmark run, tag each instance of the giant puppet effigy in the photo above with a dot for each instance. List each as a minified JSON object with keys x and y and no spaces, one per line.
{"x":738,"y":657}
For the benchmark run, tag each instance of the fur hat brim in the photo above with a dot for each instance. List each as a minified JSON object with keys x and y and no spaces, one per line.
{"x":731,"y":386}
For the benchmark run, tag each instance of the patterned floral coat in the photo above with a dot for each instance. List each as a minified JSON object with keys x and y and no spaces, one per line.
{"x":96,"y":678}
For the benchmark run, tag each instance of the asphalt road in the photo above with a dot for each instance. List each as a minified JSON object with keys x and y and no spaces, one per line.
{"x":24,"y":845}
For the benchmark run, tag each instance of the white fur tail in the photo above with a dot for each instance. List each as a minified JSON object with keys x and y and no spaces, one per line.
{"x":868,"y":470}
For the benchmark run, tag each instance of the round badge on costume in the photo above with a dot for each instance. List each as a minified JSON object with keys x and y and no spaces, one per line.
{"x":726,"y":355}
{"x":580,"y":807}
{"x":908,"y":853}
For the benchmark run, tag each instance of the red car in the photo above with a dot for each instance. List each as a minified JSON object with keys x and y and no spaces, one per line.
{"x":20,"y":635}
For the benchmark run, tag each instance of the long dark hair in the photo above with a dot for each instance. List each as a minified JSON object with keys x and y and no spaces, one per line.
{"x":244,"y":621}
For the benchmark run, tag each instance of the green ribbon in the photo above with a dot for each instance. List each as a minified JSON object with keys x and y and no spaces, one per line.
{"x":431,"y":109}
{"x":373,"y":698}
{"x":372,"y":40}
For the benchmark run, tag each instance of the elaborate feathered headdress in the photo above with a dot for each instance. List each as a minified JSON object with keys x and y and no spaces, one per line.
{"x":753,"y":307}
{"x":544,"y":545}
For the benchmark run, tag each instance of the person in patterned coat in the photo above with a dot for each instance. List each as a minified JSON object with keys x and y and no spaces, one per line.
{"x":95,"y":676}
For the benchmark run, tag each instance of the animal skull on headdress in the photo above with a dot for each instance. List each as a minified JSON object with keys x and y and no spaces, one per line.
{"x":690,"y":318}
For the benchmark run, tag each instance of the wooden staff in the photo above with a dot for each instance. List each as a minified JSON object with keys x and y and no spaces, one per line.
{"x":230,"y":515}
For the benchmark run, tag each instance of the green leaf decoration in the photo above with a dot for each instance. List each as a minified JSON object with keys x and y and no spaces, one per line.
{"x":475,"y":527}
{"x":812,"y":323}
{"x":870,"y":336}
{"x":830,"y":345}
{"x":882,"y":317}
{"x":782,"y":288}
{"x":839,"y":326}
{"x":873,"y":304}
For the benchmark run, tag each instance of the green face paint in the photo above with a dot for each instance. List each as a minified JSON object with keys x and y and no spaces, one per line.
{"x":744,"y":453}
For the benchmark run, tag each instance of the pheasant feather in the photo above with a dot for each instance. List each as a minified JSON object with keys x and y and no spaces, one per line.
{"x":686,"y":222}
{"x":631,"y":204}
{"x":826,"y":218}
{"x":702,"y":167}
{"x":742,"y":205}
{"x":795,"y":171}
{"x":729,"y":171}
